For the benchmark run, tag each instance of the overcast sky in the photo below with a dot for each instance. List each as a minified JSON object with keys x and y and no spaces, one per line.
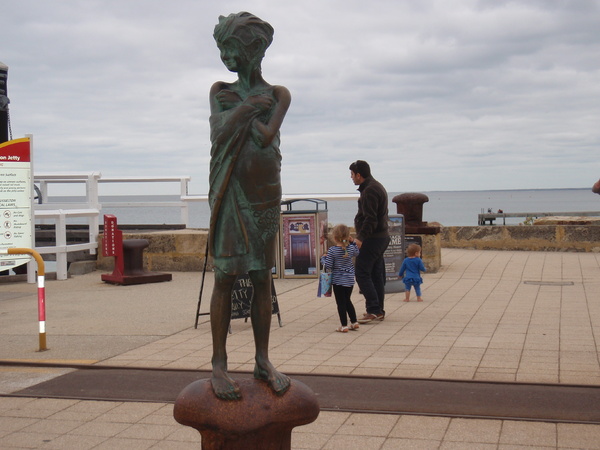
{"x":436,"y":95}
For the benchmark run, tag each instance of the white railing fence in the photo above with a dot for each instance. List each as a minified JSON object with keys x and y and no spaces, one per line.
{"x":59,"y":213}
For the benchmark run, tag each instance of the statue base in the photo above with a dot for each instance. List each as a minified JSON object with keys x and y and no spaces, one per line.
{"x":259,"y":420}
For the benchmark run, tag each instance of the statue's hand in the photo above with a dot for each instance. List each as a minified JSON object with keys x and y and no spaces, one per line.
{"x":228,"y":99}
{"x":261,"y":102}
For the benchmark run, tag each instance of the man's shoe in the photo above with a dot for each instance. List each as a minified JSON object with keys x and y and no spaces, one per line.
{"x":367,"y":318}
{"x":380,"y":317}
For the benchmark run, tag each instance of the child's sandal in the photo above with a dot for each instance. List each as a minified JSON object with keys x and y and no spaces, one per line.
{"x":342,"y":329}
{"x":354,"y":326}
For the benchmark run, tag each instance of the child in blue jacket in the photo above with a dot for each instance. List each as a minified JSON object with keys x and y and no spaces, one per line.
{"x":412,"y":266}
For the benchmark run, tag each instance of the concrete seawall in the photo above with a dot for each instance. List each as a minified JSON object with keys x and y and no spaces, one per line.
{"x":561,"y":238}
{"x":184,"y":250}
{"x":169,"y":251}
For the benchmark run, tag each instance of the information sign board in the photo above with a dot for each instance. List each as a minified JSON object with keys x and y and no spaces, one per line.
{"x":15,"y":200}
{"x":394,"y":255}
{"x":241,"y":298}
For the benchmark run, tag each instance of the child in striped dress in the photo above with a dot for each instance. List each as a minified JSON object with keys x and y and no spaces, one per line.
{"x":339,"y":260}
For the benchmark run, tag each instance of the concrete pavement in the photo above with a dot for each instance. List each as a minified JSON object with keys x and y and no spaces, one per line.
{"x":487,"y":315}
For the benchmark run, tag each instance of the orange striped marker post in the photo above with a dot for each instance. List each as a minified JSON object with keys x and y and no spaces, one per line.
{"x":41,"y":288}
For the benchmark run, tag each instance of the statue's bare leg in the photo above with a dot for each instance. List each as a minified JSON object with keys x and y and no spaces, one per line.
{"x":261,"y":326}
{"x":220,"y":316}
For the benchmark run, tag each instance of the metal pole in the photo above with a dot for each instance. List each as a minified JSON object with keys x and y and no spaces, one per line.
{"x":202,"y":285}
{"x":41,"y":289}
{"x":3,"y":103}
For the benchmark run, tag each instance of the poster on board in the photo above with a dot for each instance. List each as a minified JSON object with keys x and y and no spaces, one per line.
{"x":394,"y":255}
{"x":15,"y":200}
{"x":299,"y":234}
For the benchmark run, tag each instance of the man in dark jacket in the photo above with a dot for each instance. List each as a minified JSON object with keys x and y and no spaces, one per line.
{"x":372,"y":237}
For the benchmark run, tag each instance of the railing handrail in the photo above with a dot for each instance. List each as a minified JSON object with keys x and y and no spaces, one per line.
{"x":143,"y":179}
{"x":66,"y":177}
{"x":75,"y":212}
{"x":94,"y":179}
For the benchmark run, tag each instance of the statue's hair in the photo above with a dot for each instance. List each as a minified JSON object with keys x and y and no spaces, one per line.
{"x":244,"y":27}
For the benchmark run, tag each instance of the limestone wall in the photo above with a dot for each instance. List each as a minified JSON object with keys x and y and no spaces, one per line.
{"x":431,"y":252}
{"x":169,"y":251}
{"x":578,"y":238}
{"x":184,"y":250}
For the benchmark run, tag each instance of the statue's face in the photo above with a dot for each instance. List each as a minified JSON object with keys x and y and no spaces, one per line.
{"x":233,"y":54}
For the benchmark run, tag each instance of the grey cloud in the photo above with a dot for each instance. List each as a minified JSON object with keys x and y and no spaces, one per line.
{"x":432,"y":93}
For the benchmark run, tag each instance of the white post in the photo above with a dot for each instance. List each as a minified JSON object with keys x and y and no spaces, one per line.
{"x":61,"y":246}
{"x":185,"y":209}
{"x":94,"y":203}
{"x":31,"y":265}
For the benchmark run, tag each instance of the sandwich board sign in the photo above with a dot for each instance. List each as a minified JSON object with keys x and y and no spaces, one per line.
{"x":16,"y":187}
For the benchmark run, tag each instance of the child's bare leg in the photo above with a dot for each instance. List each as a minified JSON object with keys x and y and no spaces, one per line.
{"x":260,"y":315}
{"x":220,"y":316}
{"x":407,"y":294}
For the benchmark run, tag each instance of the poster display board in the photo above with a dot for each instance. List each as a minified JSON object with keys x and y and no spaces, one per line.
{"x":15,"y":200}
{"x":413,"y":239}
{"x":303,"y":238}
{"x":299,"y":245}
{"x":394,"y":255}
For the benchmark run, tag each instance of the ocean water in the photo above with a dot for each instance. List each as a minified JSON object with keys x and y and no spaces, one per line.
{"x":450,"y":208}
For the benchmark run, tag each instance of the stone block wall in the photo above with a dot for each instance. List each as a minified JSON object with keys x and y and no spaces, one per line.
{"x":184,"y":250}
{"x":169,"y":251}
{"x":431,"y":251}
{"x":577,"y":238}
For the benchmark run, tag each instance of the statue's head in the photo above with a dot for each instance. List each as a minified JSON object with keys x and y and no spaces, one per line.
{"x":254,"y":35}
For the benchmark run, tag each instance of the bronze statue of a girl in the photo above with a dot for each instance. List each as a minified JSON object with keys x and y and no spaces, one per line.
{"x":245,"y":191}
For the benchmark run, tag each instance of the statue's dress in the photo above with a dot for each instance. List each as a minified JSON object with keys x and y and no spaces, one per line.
{"x":245,"y":191}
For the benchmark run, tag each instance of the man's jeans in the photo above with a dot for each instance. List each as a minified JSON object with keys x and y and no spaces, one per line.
{"x":370,"y":273}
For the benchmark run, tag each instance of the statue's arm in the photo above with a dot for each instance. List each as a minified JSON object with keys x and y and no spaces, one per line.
{"x":222,"y":99}
{"x":227,"y":112}
{"x":266,"y":132}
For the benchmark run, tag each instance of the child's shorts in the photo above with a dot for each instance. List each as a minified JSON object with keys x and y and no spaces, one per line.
{"x":408,"y":283}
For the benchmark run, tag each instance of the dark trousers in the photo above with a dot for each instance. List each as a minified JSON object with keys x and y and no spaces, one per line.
{"x":344,"y":304}
{"x":370,"y":273}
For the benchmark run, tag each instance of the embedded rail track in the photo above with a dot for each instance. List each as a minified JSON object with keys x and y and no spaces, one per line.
{"x":377,"y":395}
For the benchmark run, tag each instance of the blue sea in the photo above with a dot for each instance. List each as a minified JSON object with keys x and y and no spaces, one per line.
{"x":450,"y":208}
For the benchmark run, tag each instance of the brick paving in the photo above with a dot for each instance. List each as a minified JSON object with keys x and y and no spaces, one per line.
{"x":487,"y":315}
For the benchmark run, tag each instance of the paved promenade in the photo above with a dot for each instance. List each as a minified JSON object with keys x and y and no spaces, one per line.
{"x":487,"y":315}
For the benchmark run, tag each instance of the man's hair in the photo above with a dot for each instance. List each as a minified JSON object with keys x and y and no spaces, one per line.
{"x":361,"y":167}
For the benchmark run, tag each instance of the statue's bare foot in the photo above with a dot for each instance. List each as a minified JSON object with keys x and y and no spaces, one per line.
{"x":225,"y":387}
{"x":279,"y":382}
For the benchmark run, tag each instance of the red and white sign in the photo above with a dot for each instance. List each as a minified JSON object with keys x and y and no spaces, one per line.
{"x":15,"y":200}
